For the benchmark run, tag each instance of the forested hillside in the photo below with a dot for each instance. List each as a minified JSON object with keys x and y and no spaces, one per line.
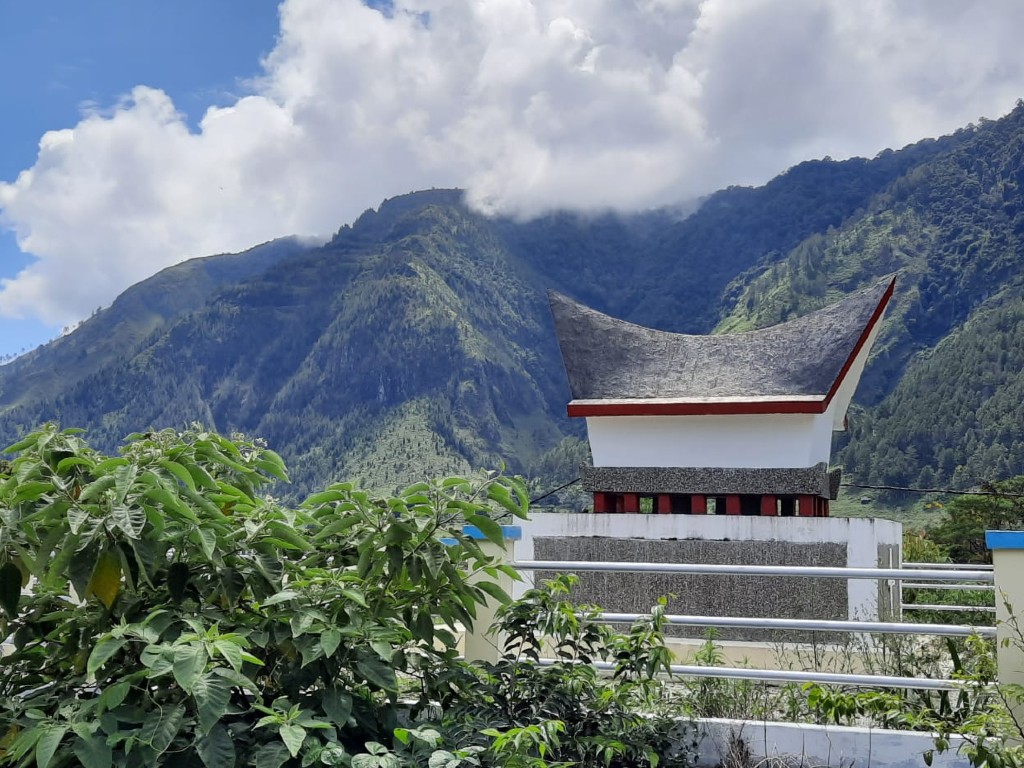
{"x":418,"y":340}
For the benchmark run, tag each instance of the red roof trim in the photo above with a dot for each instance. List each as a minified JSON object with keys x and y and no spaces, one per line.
{"x":696,"y":409}
{"x":864,"y":336}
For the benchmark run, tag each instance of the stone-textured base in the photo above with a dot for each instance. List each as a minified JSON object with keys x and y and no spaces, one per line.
{"x":836,"y":542}
{"x":713,"y":481}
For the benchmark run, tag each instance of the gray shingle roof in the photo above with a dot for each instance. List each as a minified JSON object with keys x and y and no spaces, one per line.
{"x":609,"y":359}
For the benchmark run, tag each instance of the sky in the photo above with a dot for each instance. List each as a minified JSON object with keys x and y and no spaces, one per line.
{"x":136,"y":133}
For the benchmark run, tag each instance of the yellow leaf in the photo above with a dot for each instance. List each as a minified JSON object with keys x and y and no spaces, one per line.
{"x":8,"y":739}
{"x":106,"y":578}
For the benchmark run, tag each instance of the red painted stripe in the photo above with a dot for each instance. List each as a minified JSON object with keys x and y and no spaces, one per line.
{"x":695,"y":409}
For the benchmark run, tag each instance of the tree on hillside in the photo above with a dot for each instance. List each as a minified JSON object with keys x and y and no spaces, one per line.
{"x":961,"y":531}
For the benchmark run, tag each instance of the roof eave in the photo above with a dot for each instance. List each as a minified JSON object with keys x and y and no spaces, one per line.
{"x":726,"y":406}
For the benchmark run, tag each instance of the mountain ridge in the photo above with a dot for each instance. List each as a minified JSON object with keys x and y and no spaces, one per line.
{"x":417,"y":340}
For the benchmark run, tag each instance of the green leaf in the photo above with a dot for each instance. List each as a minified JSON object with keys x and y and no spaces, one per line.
{"x":48,"y":743}
{"x":324,"y":497}
{"x":207,"y":541}
{"x":189,"y":664}
{"x":105,"y":647}
{"x":494,"y":591}
{"x":216,"y":749}
{"x":93,"y":752}
{"x":10,"y":588}
{"x":292,"y":736}
{"x":130,"y":520}
{"x":488,"y":528}
{"x":212,"y":694}
{"x":31,"y":490}
{"x":95,"y":488}
{"x":330,"y":639}
{"x":232,"y":653}
{"x":160,"y":727}
{"x":338,"y":706}
{"x":377,"y":673}
{"x":272,"y":755}
{"x":114,"y":695}
{"x":281,"y":597}
{"x":179,"y":472}
{"x":72,"y":461}
{"x":287,"y":533}
{"x":271,"y":463}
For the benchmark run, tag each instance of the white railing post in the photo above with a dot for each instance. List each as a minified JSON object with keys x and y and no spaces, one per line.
{"x":1008,"y":558}
{"x":478,"y":644}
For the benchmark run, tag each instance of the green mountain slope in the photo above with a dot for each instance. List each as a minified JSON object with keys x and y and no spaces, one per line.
{"x":418,"y":340}
{"x":938,"y":394}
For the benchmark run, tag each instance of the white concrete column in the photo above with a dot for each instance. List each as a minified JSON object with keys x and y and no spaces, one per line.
{"x":478,"y":644}
{"x":1008,"y":557}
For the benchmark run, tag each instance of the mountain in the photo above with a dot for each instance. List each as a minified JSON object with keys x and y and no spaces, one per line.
{"x":418,"y":341}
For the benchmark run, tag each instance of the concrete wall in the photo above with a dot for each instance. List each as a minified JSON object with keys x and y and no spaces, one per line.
{"x":801,"y":744}
{"x":720,"y":539}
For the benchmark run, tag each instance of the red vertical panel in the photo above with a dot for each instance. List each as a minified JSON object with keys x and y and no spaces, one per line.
{"x":732,"y":505}
{"x":664,"y":504}
{"x":631,"y":502}
{"x":698,"y":505}
{"x":808,"y":506}
{"x":600,"y":502}
{"x":768,"y":506}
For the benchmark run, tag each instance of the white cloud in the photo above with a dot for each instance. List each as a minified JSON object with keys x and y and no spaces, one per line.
{"x":529,"y":104}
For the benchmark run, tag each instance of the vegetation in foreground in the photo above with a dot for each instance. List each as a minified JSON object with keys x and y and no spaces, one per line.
{"x":161,"y":612}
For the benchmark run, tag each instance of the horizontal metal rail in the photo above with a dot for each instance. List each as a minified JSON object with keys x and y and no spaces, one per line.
{"x":813,"y":625}
{"x":750,"y":570}
{"x":965,"y":587}
{"x":792,"y":676}
{"x":951,"y":566}
{"x":925,"y":607}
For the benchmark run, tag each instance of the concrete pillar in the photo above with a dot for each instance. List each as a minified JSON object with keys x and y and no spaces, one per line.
{"x":478,"y":645}
{"x":664,"y":504}
{"x":768,"y":506}
{"x":732,"y":504}
{"x":1008,"y":558}
{"x":698,"y":505}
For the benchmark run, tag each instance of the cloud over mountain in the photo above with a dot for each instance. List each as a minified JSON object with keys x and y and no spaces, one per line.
{"x":528,"y":104}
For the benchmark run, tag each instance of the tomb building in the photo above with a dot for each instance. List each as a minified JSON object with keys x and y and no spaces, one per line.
{"x":731,"y":424}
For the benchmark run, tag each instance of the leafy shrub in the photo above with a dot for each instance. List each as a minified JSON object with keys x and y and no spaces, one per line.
{"x":173,"y":616}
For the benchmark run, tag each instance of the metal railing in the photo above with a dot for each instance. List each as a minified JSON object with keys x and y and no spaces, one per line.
{"x":923,"y":575}
{"x":955,"y":570}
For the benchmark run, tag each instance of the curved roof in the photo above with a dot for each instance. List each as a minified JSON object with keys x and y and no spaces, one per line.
{"x":793,"y":367}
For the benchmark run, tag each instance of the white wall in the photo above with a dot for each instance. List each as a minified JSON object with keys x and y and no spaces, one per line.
{"x":823,"y":745}
{"x":759,"y":441}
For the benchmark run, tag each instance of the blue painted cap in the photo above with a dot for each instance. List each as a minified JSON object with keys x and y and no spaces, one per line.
{"x":1004,"y":539}
{"x":509,"y":532}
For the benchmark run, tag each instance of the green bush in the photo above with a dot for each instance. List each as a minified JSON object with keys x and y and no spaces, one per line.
{"x":161,"y":610}
{"x":174,"y":616}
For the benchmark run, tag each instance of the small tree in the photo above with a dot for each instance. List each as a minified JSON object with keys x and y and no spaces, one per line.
{"x":961,"y":531}
{"x":163,"y":613}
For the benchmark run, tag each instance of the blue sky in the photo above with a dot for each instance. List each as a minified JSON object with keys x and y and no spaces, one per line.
{"x":137,"y":133}
{"x":59,"y":57}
